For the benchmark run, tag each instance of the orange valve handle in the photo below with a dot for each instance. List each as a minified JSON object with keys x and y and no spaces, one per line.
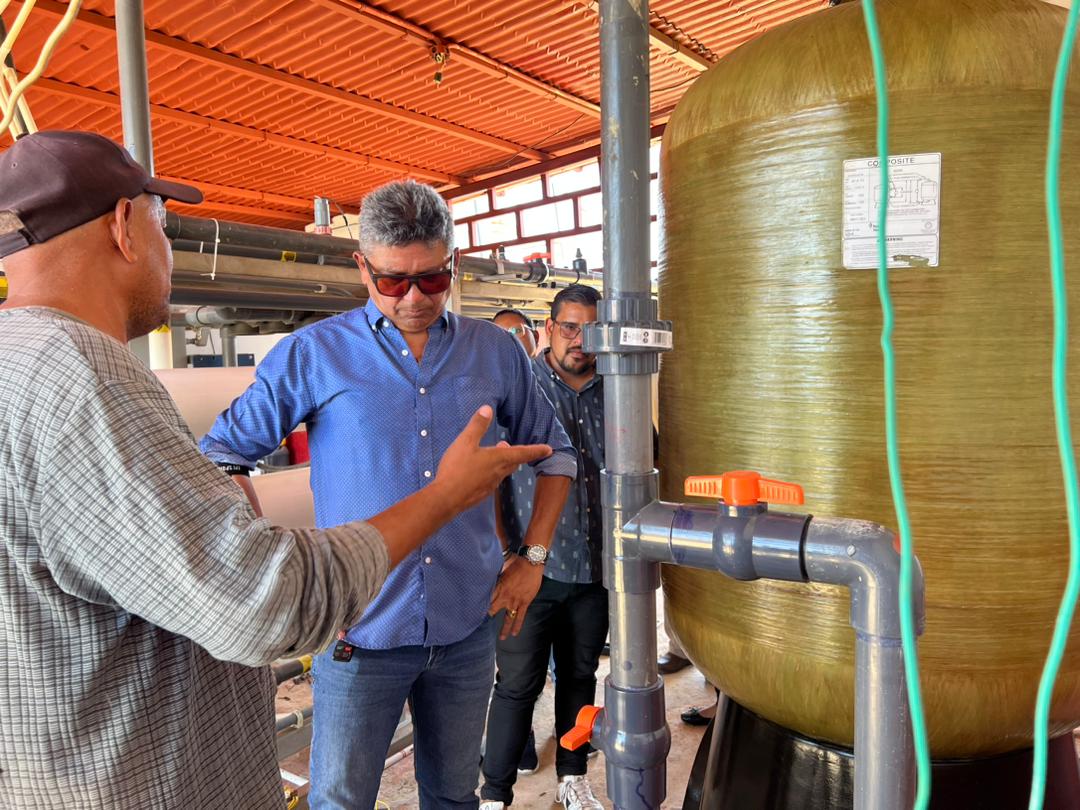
{"x":581,"y":733}
{"x":743,"y":488}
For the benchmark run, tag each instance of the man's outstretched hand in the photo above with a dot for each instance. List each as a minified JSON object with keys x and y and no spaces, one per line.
{"x":468,"y":473}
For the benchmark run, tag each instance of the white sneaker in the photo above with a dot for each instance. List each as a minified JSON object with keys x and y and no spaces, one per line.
{"x":492,"y":806}
{"x":576,"y":794}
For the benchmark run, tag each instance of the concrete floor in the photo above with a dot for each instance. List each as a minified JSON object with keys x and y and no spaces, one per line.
{"x":537,"y":791}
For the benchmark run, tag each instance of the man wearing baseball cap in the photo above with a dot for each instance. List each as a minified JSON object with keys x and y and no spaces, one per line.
{"x":140,"y":597}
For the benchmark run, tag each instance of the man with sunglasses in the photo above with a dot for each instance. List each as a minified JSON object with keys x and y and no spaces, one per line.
{"x":383,"y":390}
{"x":569,"y":615}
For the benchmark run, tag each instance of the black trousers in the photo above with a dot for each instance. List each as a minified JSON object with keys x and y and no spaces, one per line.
{"x":570,"y":621}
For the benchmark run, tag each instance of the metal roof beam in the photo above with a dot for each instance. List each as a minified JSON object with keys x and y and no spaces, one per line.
{"x":306,"y":204}
{"x":490,"y":179}
{"x":670,"y":47}
{"x":248,"y":133}
{"x":676,"y":50}
{"x":399,"y":27}
{"x":283,"y":79}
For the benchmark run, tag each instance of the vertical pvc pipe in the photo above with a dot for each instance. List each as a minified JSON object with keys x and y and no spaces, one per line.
{"x":637,"y":739}
{"x":228,"y":346}
{"x":628,"y":449}
{"x":134,"y":84}
{"x":624,"y":146}
{"x":884,"y":749}
{"x":624,"y":151}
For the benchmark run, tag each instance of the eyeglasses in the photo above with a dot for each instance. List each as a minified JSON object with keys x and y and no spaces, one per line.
{"x":397,"y":285}
{"x":518,"y":330}
{"x":568,"y":329}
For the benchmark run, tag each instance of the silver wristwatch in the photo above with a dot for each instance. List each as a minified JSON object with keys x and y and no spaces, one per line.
{"x":537,"y":555}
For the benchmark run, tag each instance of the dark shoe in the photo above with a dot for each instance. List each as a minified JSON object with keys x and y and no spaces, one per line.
{"x":529,"y":761}
{"x":606,"y":649}
{"x":698,"y":716}
{"x":668,"y":664}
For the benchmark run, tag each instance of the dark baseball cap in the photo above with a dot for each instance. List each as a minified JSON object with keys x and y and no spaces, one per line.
{"x":53,"y":181}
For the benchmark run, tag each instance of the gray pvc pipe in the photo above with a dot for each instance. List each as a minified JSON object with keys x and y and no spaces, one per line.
{"x":855,"y":554}
{"x":228,"y":346}
{"x":624,"y":150}
{"x":624,"y":49}
{"x":884,"y":751}
{"x":624,"y":106}
{"x":861,"y":556}
{"x":134,"y":83}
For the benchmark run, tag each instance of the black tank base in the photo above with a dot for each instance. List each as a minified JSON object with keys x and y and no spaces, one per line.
{"x":747,"y":763}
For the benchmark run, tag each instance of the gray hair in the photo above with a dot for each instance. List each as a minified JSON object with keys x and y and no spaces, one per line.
{"x":404,"y":213}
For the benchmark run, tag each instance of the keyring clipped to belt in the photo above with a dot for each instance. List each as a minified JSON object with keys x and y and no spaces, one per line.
{"x":343,"y":650}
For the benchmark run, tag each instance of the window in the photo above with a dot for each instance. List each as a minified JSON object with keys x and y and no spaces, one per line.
{"x":461,"y":237}
{"x":517,"y":253}
{"x":469,"y":206}
{"x":493,"y":230}
{"x":590,"y":210}
{"x":519,"y":193}
{"x":565,"y":248}
{"x":574,"y":178}
{"x":547,"y":218}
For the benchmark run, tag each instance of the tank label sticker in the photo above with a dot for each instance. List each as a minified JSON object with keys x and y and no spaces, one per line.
{"x":914,"y":201}
{"x":629,"y":336}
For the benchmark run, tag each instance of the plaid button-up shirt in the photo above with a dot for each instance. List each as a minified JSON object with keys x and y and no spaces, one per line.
{"x":139,"y":595}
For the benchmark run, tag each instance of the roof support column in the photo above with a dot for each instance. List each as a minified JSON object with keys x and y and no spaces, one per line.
{"x":134,"y":83}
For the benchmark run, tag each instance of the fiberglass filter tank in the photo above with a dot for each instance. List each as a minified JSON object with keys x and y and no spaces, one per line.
{"x":768,"y":201}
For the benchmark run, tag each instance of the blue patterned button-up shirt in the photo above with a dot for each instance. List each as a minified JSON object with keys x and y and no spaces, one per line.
{"x":577,"y":547}
{"x":378,"y":422}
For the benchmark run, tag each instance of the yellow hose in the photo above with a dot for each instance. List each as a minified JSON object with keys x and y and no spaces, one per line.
{"x":43,"y":58}
{"x":16,"y":27}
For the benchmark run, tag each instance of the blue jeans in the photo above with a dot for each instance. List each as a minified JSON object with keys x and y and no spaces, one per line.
{"x":358,"y":705}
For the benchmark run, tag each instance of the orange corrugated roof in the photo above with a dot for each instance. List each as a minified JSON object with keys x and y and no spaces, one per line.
{"x":267,"y":103}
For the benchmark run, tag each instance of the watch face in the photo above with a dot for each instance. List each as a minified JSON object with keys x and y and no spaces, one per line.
{"x":536,"y":554}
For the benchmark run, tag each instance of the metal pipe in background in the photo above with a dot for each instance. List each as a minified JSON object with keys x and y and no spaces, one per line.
{"x":278,"y":240}
{"x":207,"y":295}
{"x":227,"y":316}
{"x":291,"y":668}
{"x":297,"y":719}
{"x":527,"y":272}
{"x":228,"y":346}
{"x":199,"y":235}
{"x":134,"y":83}
{"x":193,"y":246}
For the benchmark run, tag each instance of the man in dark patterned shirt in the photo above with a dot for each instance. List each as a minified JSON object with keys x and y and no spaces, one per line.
{"x":569,"y":615}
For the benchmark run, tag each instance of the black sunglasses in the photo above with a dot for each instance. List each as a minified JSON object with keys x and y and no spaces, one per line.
{"x":397,"y":285}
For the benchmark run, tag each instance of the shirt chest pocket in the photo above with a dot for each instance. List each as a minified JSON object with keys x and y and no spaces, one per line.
{"x":470,"y":392}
